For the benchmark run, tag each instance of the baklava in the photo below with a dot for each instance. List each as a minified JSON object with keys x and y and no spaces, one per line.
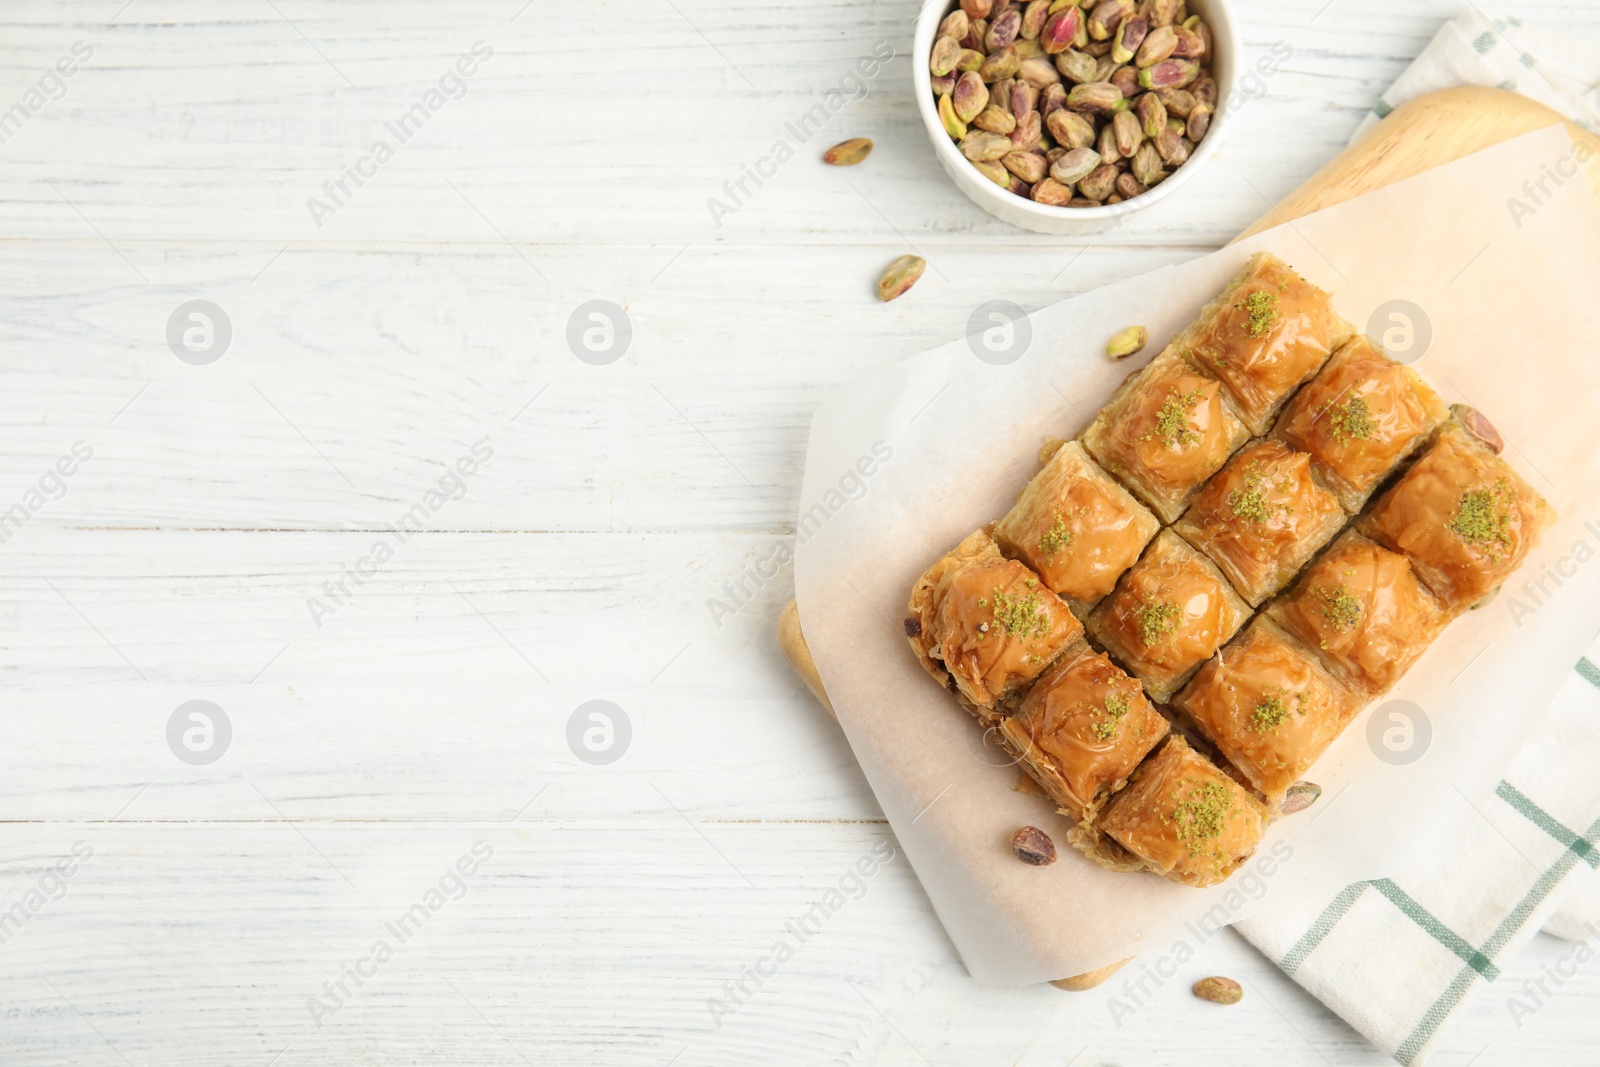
{"x":1360,"y":419}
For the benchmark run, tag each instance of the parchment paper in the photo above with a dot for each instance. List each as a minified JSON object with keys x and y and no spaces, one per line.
{"x":1513,"y":299}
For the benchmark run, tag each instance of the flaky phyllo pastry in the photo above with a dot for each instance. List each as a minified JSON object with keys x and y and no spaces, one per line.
{"x":1258,"y":535}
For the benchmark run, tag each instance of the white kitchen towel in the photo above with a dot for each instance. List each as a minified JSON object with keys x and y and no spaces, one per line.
{"x":1560,"y":70}
{"x":1395,"y":957}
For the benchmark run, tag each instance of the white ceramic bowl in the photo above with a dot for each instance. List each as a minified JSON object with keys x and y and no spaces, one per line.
{"x":1042,"y":218}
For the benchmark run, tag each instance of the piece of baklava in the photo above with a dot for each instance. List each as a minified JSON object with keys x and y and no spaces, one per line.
{"x":1076,"y":527}
{"x":985,"y":625}
{"x":1168,"y":614}
{"x":1081,"y":730}
{"x":1269,"y":706}
{"x":1261,"y":518}
{"x":1462,"y":516}
{"x":1362,"y":610}
{"x":1184,"y":818}
{"x":1360,"y":419}
{"x":1167,"y":430}
{"x":1269,"y":331}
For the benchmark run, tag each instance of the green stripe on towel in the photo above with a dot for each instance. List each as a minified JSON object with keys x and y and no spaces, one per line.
{"x":1544,"y":821}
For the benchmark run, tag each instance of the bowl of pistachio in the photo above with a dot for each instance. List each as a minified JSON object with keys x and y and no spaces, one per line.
{"x":1068,"y":116}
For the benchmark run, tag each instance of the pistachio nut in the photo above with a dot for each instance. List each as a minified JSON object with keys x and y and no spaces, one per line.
{"x":1478,"y":425}
{"x":1163,"y":12}
{"x":1130,"y":35}
{"x":900,"y":276}
{"x":1028,"y":131}
{"x":1205,"y":91}
{"x":968,"y":59}
{"x":944,"y":84}
{"x":1054,"y":154}
{"x":1000,"y":94}
{"x":1052,"y":99}
{"x":943,"y":59}
{"x":1204,"y":30}
{"x":980,"y":146}
{"x":1033,"y":846}
{"x":1219,"y":990}
{"x":1167,"y":141}
{"x":994,"y":172}
{"x":1169,"y":74}
{"x":1027,"y":49}
{"x":1105,"y":66}
{"x":848,"y":153}
{"x":1024,"y":98}
{"x":1033,"y":19}
{"x":1060,"y":30}
{"x":970,"y":97}
{"x":1000,"y":7}
{"x":1107,"y":17}
{"x":1129,"y":342}
{"x":1106,"y":142}
{"x":1127,"y":131}
{"x":1049,"y":191}
{"x":1016,"y":186}
{"x":1062,"y":5}
{"x":1003,"y":30}
{"x":1075,"y":166}
{"x":1097,"y":49}
{"x":1299,"y":797}
{"x":1077,"y":67}
{"x":1099,"y":183}
{"x":1038,"y":72}
{"x":950,"y":120}
{"x":1181,"y":154}
{"x":977,"y":9}
{"x":1190,"y":45}
{"x":1180,"y":102}
{"x":956,"y":24}
{"x":1083,"y":201}
{"x":1199,"y":123}
{"x":1152,"y":113}
{"x":1126,"y":79}
{"x":1114,"y":198}
{"x":1070,"y":129}
{"x":1146,"y":164}
{"x":1129,"y":187}
{"x":1001,"y":64}
{"x":993,"y":120}
{"x":975,"y":31}
{"x":1028,"y":166}
{"x":1096,"y":98}
{"x":1158,"y":45}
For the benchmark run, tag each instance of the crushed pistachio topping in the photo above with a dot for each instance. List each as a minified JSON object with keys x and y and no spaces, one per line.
{"x":1156,"y":619}
{"x":1056,"y":538}
{"x":1172,"y":420}
{"x":1115,"y":711}
{"x":1263,"y":309}
{"x":1483,"y":516}
{"x":1251,"y":503}
{"x":1269,"y":714}
{"x":1340,"y":607}
{"x":1020,"y":616}
{"x":1353,"y":422}
{"x":1200,"y":814}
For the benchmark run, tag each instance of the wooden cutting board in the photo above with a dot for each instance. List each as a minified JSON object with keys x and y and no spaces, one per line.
{"x":1425,"y":133}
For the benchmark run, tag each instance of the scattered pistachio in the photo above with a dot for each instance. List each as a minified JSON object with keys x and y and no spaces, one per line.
{"x":900,"y":276}
{"x":1473,"y":421}
{"x":848,"y":153}
{"x":1219,"y":990}
{"x":970,"y":98}
{"x":1299,"y":797}
{"x":1129,"y":342}
{"x":1075,"y":166}
{"x":1033,"y":846}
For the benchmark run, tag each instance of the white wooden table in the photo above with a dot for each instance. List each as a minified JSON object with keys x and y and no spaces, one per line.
{"x":381,"y":736}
